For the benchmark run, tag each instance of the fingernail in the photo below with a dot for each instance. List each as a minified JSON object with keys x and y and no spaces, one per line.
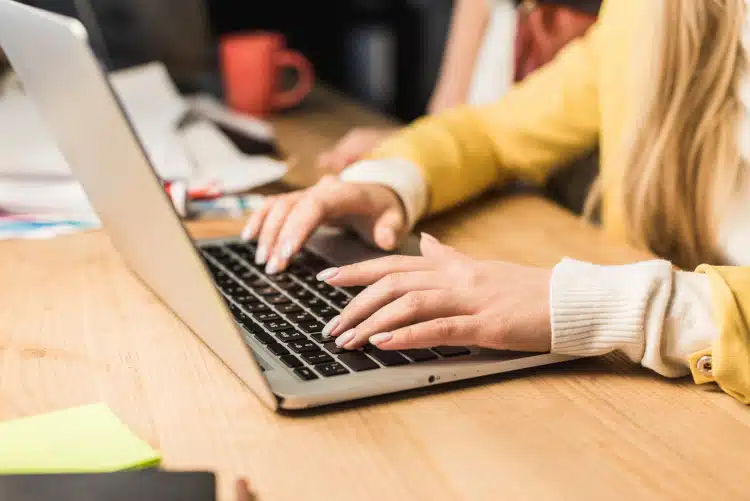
{"x":389,"y":238}
{"x":261,"y":255}
{"x":330,"y":326}
{"x":273,"y":266}
{"x":246,"y":233}
{"x":327,"y":274}
{"x":379,"y":339}
{"x":429,"y":237}
{"x":286,"y":250}
{"x":344,"y":338}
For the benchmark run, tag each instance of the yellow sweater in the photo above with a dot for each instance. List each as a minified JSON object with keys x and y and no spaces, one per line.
{"x":579,"y":100}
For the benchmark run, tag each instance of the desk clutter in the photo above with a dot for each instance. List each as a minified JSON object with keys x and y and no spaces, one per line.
{"x":200,"y":149}
{"x":88,"y":454}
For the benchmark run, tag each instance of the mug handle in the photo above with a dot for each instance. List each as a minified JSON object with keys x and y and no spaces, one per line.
{"x":305,"y":79}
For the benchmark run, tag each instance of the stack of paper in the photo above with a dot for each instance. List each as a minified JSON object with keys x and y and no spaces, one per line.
{"x":35,"y":178}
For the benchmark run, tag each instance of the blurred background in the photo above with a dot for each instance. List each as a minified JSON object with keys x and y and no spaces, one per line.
{"x":384,"y":53}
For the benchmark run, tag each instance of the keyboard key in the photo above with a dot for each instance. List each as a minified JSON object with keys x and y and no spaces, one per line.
{"x":332,"y":348}
{"x":277,"y":325}
{"x":311,"y":326}
{"x":342,"y":302}
{"x":255,"y":282}
{"x":309,"y":278}
{"x":331,"y":369}
{"x":325,"y":312}
{"x":353,"y":290}
{"x":419,"y":355}
{"x":452,"y":351}
{"x":303,"y":346}
{"x":318,"y":338}
{"x":387,"y":358}
{"x":305,"y":373}
{"x":280,"y":277}
{"x":288,"y":308}
{"x":249,"y":325}
{"x":299,"y":317}
{"x":299,"y":292}
{"x":291,"y":361}
{"x":256,"y":307}
{"x":277,"y":349}
{"x":323,"y":288}
{"x":264,"y":338}
{"x":289,"y":335}
{"x":234,"y":289}
{"x":317,"y":357}
{"x":278,"y":299}
{"x":312,"y":301}
{"x":266,"y":291}
{"x":357,"y":361}
{"x":266,"y":316}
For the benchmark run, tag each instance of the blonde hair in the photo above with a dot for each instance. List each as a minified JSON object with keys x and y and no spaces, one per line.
{"x":681,"y":158}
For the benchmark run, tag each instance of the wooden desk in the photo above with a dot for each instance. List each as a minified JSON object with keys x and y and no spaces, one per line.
{"x":76,"y":327}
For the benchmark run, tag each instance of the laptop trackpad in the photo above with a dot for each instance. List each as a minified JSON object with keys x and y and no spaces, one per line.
{"x":340,"y":247}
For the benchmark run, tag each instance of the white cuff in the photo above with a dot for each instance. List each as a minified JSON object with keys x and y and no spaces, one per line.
{"x":656,"y":316}
{"x":398,"y":174}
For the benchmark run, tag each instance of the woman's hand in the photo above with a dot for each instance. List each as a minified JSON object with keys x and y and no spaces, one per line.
{"x":284,"y":222}
{"x":443,"y":298}
{"x":352,"y":147}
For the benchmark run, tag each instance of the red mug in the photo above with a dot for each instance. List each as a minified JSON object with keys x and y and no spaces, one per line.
{"x":251,"y":68}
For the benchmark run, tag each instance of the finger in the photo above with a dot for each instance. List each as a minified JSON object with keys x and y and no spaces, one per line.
{"x":433,"y":249}
{"x":412,"y":308}
{"x":447,"y":331}
{"x":254,"y":223}
{"x":388,"y":228}
{"x":324,"y":160}
{"x":369,"y":272}
{"x":303,"y":219}
{"x":383,"y":292}
{"x":270,"y":230}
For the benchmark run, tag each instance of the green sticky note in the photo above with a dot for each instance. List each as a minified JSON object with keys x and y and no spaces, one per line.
{"x":88,"y":439}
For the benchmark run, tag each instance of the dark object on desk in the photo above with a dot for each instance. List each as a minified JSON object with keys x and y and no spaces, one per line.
{"x":146,"y":485}
{"x":246,"y":144}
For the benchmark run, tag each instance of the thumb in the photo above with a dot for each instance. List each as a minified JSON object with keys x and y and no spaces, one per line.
{"x":432,"y":249}
{"x":387,"y":229}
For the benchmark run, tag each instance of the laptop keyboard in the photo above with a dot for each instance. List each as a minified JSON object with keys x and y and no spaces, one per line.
{"x":286,"y":312}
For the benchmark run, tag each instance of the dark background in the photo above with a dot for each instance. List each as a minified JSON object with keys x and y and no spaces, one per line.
{"x":385,"y":53}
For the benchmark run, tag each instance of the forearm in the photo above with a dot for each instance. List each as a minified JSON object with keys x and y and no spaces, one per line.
{"x":468,"y":26}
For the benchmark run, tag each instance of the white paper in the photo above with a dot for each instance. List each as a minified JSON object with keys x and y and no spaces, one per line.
{"x":35,"y":177}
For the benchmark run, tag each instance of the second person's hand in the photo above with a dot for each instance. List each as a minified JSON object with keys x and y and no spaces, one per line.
{"x":284,"y":222}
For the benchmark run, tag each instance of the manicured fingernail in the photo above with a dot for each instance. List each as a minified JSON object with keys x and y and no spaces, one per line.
{"x":261,"y":255}
{"x":246,"y":233}
{"x":331,"y":325}
{"x":327,"y":274}
{"x":286,"y":250}
{"x":429,"y":237}
{"x":389,"y":238}
{"x":344,"y":338}
{"x":379,"y":339}
{"x":273,"y":266}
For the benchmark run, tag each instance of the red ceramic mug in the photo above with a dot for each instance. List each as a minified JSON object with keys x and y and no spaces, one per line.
{"x":251,"y":67}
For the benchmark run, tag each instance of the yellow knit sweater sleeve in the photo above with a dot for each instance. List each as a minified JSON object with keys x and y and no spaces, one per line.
{"x":549,"y":119}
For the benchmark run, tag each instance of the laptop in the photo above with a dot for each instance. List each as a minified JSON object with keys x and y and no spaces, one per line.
{"x":265,"y":329}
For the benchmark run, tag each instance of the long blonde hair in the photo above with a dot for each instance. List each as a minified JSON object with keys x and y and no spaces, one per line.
{"x":682,"y":159}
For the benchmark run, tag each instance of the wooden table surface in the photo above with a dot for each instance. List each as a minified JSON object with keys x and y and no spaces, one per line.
{"x":76,"y":327}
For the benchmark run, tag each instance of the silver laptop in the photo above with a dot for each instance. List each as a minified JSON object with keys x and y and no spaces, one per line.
{"x":266,"y":329}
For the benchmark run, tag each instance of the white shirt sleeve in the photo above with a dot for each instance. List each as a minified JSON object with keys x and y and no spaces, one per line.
{"x":398,"y":174}
{"x":656,"y":316}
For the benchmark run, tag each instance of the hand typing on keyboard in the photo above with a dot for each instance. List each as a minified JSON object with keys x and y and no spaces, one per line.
{"x":284,"y":222}
{"x":444,"y":298}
